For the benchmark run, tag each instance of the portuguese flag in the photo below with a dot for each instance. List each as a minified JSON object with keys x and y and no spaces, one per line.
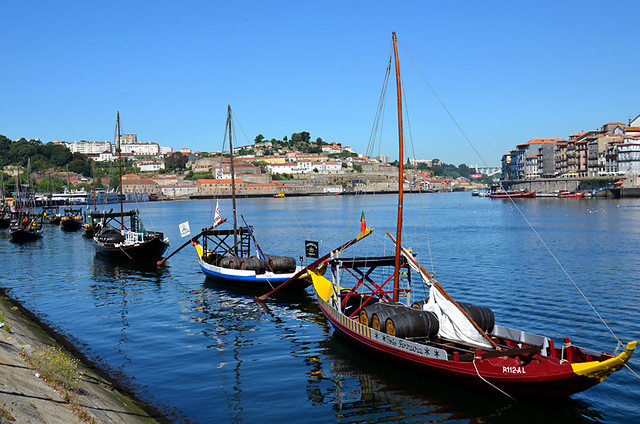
{"x":363,"y":225}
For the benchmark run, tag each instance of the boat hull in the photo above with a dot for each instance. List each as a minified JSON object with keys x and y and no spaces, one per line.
{"x":512,"y":195}
{"x":249,"y":279}
{"x":152,"y":249}
{"x":22,"y":235}
{"x":70,"y":224}
{"x":534,"y":377}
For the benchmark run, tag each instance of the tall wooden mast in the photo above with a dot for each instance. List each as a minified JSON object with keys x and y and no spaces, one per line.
{"x":233,"y":184}
{"x":69,"y":188}
{"x":120,"y":176}
{"x":396,"y":272}
{"x":93,"y":177}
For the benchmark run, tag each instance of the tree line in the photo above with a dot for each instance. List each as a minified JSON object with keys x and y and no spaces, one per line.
{"x":44,"y":157}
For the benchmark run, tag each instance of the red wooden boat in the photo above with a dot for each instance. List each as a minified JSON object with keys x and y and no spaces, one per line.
{"x":511,"y":194}
{"x":565,"y":193}
{"x":439,"y":336}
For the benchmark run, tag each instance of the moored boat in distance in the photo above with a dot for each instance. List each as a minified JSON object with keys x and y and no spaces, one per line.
{"x":127,"y":240}
{"x":510,"y":194}
{"x":131,"y":240}
{"x":71,"y":220}
{"x":567,"y":194}
{"x":26,"y":223}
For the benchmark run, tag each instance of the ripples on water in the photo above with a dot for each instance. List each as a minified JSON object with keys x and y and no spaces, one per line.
{"x":215,"y":355}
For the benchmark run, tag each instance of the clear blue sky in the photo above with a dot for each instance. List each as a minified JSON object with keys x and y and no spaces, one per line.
{"x":507,"y":71}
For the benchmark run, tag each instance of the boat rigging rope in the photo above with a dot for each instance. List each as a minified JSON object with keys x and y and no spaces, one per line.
{"x":489,"y":383}
{"x":512,"y":201}
{"x":632,"y":371}
{"x":424,"y":218}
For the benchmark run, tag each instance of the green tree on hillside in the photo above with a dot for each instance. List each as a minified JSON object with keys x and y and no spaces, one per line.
{"x":176,"y":161}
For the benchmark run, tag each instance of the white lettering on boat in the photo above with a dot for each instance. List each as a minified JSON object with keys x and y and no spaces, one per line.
{"x":513,"y":370}
{"x":406,"y":345}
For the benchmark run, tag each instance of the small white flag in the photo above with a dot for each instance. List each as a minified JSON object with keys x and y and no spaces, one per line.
{"x":184,"y":229}
{"x":217,"y":219}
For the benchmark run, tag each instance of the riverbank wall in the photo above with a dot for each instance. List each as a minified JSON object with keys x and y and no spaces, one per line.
{"x":599,"y":187}
{"x":26,"y":397}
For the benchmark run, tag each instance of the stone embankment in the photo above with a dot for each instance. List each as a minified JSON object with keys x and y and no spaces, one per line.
{"x":26,"y":398}
{"x":603,"y":187}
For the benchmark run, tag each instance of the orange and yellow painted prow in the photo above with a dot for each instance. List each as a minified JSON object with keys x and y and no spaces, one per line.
{"x":199,"y":250}
{"x":322,"y":286}
{"x":603,"y":369}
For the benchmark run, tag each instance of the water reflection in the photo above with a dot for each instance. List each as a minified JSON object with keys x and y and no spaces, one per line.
{"x":114,"y":282}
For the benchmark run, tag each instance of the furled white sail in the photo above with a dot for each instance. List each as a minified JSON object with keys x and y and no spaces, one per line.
{"x":454,"y":325}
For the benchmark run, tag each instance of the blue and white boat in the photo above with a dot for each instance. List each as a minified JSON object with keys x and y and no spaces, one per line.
{"x":234,"y":257}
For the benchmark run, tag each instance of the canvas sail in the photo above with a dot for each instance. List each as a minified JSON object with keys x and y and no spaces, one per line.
{"x":454,"y":325}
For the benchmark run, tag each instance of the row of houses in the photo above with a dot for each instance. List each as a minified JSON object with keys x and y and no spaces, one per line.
{"x":613,"y":150}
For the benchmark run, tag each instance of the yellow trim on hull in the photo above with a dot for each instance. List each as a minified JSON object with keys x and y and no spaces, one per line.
{"x":603,"y":369}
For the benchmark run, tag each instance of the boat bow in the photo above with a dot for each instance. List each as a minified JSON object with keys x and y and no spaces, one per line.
{"x":603,"y":369}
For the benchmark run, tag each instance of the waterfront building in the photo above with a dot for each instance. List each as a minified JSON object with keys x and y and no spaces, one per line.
{"x":165,"y":179}
{"x":572,"y":160}
{"x":506,"y":167}
{"x":531,"y":167}
{"x":524,"y":150}
{"x":217,"y":186}
{"x":183,"y":189}
{"x":137,"y":184}
{"x":611,"y":163}
{"x":628,"y":157}
{"x":582,"y":154}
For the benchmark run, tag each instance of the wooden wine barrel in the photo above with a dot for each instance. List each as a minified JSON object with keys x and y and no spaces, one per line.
{"x":482,"y":315}
{"x":419,"y":304}
{"x":282,"y":264}
{"x":412,"y":323}
{"x":253,"y":264}
{"x":379,"y":317}
{"x":355,"y":302}
{"x":367,"y":312}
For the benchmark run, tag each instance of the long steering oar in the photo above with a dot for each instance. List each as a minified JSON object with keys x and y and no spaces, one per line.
{"x":191,"y":240}
{"x":312,"y":265}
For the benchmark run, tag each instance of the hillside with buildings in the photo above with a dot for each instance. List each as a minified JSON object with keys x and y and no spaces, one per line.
{"x":295,"y":166}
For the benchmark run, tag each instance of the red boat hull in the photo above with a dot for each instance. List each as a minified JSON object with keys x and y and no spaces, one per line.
{"x":512,"y":195}
{"x":535,"y":376}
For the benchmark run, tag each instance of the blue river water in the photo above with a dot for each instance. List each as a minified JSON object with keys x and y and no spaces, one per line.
{"x":210,"y":354}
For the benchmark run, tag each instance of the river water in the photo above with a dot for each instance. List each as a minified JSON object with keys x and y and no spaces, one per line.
{"x":211,"y":354}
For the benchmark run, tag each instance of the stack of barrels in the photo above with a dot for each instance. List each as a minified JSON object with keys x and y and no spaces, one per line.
{"x":401,"y":321}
